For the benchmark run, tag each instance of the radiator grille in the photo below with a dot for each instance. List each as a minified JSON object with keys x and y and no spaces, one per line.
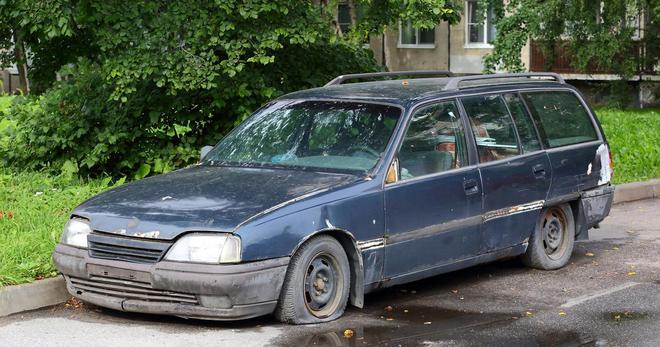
{"x":126,"y":289}
{"x":129,"y":249}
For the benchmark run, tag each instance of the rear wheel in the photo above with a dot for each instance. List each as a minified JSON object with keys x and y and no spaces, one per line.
{"x":551,"y":244}
{"x":317,"y":283}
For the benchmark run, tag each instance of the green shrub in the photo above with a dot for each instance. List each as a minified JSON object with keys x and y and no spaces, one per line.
{"x":78,"y":127}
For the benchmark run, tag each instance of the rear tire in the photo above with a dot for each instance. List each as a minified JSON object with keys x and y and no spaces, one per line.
{"x":317,"y":283}
{"x":551,"y":244}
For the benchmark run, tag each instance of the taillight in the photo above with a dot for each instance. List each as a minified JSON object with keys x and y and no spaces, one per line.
{"x":609,"y":152}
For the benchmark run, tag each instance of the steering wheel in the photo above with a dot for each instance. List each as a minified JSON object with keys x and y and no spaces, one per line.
{"x":363,"y":149}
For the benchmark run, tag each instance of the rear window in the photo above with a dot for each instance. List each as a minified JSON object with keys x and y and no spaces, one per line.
{"x":562,"y":118}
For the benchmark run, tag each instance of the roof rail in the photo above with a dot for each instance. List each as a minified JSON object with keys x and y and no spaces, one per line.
{"x":454,"y":82}
{"x":343,"y":78}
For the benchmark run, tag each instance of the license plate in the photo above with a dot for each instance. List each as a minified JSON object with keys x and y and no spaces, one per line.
{"x":113,"y":272}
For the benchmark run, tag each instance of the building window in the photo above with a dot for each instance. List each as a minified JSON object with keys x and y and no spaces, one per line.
{"x":480,"y":29}
{"x":411,"y":37}
{"x":344,"y":17}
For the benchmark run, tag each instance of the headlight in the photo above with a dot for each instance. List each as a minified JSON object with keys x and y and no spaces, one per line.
{"x":206,"y":248}
{"x":75,"y":232}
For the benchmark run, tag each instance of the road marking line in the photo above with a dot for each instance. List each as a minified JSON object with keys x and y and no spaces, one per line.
{"x":585,"y":298}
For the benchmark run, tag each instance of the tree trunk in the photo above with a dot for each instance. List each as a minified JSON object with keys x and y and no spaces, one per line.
{"x":21,"y":62}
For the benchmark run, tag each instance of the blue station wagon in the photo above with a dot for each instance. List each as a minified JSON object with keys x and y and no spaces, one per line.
{"x":326,"y":194}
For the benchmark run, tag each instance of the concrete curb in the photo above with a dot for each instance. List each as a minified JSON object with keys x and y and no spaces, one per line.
{"x":31,"y":296}
{"x":52,"y":291}
{"x":636,"y":191}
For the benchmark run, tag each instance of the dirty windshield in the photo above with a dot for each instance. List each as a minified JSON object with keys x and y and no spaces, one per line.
{"x":330,"y":135}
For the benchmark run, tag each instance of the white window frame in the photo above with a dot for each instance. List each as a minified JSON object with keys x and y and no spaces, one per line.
{"x":469,"y":44}
{"x":415,"y":45}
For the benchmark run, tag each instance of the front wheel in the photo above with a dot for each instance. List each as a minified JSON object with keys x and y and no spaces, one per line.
{"x":317,"y":283}
{"x":551,"y":244}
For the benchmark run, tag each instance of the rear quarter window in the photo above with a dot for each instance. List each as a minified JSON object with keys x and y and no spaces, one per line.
{"x":561,"y":117}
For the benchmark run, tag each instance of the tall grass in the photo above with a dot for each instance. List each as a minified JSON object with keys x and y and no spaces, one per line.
{"x":634,"y":137}
{"x":33,"y":210}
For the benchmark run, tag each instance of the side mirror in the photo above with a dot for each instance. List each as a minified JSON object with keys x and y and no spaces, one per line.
{"x":392,"y":172}
{"x":205,"y":150}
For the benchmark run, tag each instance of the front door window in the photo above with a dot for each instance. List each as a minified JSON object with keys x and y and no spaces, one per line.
{"x":433,"y":143}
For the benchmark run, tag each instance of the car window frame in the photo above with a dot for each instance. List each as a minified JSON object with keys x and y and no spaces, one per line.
{"x":391,"y":141}
{"x":403,"y":131}
{"x":541,"y":131}
{"x":529,"y":116}
{"x":473,"y":162}
{"x":515,"y":128}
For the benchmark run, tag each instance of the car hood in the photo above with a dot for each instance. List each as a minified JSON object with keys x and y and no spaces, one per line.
{"x":199,"y":198}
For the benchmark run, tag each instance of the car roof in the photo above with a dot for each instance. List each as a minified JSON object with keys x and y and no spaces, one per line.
{"x":407,"y":92}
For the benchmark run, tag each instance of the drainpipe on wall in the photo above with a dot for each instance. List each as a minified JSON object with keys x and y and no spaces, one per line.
{"x":383,"y":51}
{"x":448,"y":46}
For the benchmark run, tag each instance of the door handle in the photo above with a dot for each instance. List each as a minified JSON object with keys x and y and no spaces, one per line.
{"x":539,"y":170}
{"x":471,"y":186}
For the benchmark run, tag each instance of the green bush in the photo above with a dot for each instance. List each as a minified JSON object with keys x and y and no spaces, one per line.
{"x":78,"y":127}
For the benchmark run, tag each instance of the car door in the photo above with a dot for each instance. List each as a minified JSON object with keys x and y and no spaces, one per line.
{"x":433,"y":210}
{"x":573,"y":145}
{"x":515,"y":178}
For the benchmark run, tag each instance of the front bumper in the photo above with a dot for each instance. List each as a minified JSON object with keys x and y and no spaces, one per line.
{"x":219,"y":292}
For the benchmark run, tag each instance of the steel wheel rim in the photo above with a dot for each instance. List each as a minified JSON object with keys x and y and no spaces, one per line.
{"x":555,"y":229}
{"x":323,"y":285}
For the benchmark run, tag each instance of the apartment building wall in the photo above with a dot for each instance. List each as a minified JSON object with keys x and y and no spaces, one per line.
{"x":8,"y":81}
{"x":451,"y":51}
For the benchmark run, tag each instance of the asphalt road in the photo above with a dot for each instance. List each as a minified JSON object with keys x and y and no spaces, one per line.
{"x":609,"y":295}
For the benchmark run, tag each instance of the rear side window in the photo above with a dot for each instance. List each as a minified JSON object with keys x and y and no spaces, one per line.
{"x":434,"y":142}
{"x":528,"y":138}
{"x":492,"y":127}
{"x":562,"y":118}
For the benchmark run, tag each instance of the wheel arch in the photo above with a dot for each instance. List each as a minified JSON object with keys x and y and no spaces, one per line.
{"x":349,"y":244}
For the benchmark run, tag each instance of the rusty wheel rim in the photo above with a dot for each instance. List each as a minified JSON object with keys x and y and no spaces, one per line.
{"x":323,"y":285}
{"x":554,"y":229}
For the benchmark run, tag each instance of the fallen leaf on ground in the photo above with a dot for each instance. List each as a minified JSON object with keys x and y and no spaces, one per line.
{"x":562,"y":313}
{"x":455,"y":291}
{"x":615,"y":248}
{"x":348,"y":333}
{"x":389,"y":318}
{"x":528,"y":313}
{"x":427,"y":323}
{"x":73,"y":303}
{"x":589,"y":254}
{"x":632,"y":273}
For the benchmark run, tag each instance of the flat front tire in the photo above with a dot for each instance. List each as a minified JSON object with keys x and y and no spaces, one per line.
{"x":317,"y":283}
{"x":551,"y":244}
